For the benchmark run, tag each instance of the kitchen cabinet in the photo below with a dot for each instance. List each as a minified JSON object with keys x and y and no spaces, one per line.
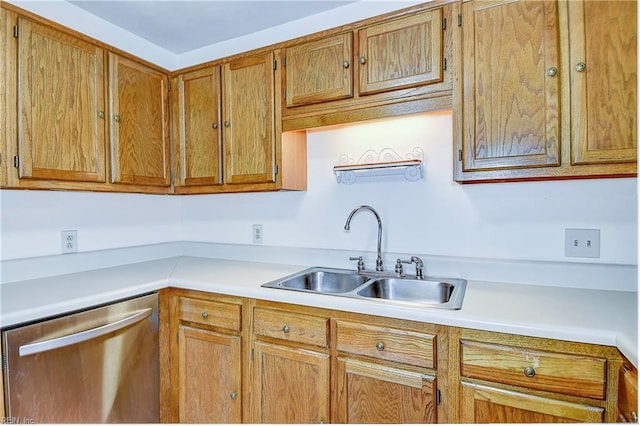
{"x":291,"y":372}
{"x":384,"y":67}
{"x":206,"y":359}
{"x":528,"y":106}
{"x":61,"y":105}
{"x":509,"y":379}
{"x":227,"y":132}
{"x":139,"y":126}
{"x":628,"y":393}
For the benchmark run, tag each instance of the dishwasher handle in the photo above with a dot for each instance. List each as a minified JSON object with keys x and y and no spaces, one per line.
{"x":83,"y":336}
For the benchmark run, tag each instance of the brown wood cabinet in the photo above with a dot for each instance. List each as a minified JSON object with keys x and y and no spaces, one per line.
{"x":628,"y":393}
{"x":536,"y":95}
{"x":139,"y":123}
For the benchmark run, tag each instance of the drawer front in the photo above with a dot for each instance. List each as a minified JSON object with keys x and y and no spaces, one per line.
{"x":389,"y":344}
{"x":292,"y":327}
{"x":215,"y":314}
{"x":549,"y":371}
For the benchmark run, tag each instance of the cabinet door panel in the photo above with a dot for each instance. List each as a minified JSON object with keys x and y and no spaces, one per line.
{"x":320,"y":71}
{"x":61,"y":126}
{"x":604,"y":94}
{"x":139,"y":131}
{"x":370,"y":393}
{"x":291,"y":385}
{"x":483,"y":404}
{"x":198,"y":127}
{"x":210,"y":379}
{"x":510,"y":102}
{"x":249,"y":132}
{"x":401,"y":53}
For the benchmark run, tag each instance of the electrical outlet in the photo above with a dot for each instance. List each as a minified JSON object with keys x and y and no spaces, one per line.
{"x":69,"y":241}
{"x":257,"y":234}
{"x":582,"y":243}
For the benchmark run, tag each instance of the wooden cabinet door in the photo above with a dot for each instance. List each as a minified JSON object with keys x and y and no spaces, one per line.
{"x":61,"y":111}
{"x":138,"y":97}
{"x":603,"y":73}
{"x":373,"y":393}
{"x":248,"y":119}
{"x":401,"y":53}
{"x":210,"y":377}
{"x":320,"y":70}
{"x":484,"y":404}
{"x":291,"y":385}
{"x":510,"y":85}
{"x":628,"y":394}
{"x":197,"y":127}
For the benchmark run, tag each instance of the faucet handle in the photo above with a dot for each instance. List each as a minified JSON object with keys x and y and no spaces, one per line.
{"x":419,"y":265}
{"x":399,"y":269}
{"x":360,"y":262}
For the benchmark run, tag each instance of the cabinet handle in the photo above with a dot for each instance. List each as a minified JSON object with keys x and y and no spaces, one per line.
{"x":286,"y":329}
{"x":363,"y":60}
{"x":205,"y":315}
{"x":634,"y":417}
{"x":551,"y":72}
{"x":101,"y":114}
{"x":117,"y":118}
{"x":227,"y":124}
{"x":581,"y":66}
{"x":380,"y":346}
{"x":529,"y":372}
{"x":214,"y":125}
{"x":345,"y":64}
{"x":233,"y":395}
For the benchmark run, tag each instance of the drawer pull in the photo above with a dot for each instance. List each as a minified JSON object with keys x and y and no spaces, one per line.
{"x":634,"y":417}
{"x":380,"y":346}
{"x":529,"y":372}
{"x":205,"y":315}
{"x":286,"y":329}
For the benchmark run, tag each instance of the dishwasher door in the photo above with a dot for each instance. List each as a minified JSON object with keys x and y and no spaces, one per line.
{"x":96,"y":366}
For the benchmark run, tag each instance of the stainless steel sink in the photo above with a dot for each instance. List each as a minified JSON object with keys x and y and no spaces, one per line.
{"x":321,"y":280}
{"x":444,"y":293}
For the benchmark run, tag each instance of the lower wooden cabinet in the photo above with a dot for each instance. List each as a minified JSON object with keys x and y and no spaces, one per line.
{"x":628,"y":394}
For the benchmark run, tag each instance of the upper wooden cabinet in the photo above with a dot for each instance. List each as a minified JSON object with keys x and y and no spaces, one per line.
{"x":139,"y":123}
{"x":61,"y":107}
{"x":538,"y":98}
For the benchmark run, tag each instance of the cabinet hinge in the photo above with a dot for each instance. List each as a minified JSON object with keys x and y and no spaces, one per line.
{"x":275,"y":64}
{"x":444,"y":64}
{"x":16,"y":31}
{"x":459,"y":155}
{"x":444,"y":24}
{"x":459,"y":19}
{"x":16,"y":161}
{"x":251,"y":355}
{"x":285,"y":94}
{"x":275,"y":170}
{"x":438,"y":397}
{"x":284,"y":62}
{"x":5,"y":364}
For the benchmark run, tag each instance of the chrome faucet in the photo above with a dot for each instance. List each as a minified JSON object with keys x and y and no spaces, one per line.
{"x":419,"y":265}
{"x":347,"y":227}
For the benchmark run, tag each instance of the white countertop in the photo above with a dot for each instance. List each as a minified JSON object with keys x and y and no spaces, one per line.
{"x":588,"y":316}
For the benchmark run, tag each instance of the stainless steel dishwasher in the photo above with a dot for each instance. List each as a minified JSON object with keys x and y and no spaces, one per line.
{"x":95,"y":366}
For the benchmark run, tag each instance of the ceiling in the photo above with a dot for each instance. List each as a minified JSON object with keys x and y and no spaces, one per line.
{"x":183,"y":25}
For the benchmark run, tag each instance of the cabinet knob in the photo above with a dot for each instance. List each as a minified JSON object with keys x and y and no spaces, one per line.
{"x":529,"y":372}
{"x":214,"y":125}
{"x":634,"y":417}
{"x":227,"y":124}
{"x":345,"y":64}
{"x":205,"y":315}
{"x":286,"y":329}
{"x":233,"y":395}
{"x":363,"y":60}
{"x":581,"y":66}
{"x":380,"y":346}
{"x":101,"y":114}
{"x":117,"y":118}
{"x":552,"y":72}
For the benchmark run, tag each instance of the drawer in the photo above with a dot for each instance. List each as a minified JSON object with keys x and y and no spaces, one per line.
{"x":291,"y":326}
{"x":390,"y":344}
{"x":215,"y":314}
{"x":549,"y":371}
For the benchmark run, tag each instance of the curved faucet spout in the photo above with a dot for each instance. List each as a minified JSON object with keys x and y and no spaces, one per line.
{"x":347,"y":226}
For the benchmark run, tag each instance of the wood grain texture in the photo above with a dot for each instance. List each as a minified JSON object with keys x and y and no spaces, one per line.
{"x":210,"y":377}
{"x":372,"y":393}
{"x":197,"y":127}
{"x":604,"y":96}
{"x":61,"y":135}
{"x":312,"y":330}
{"x":293,"y":156}
{"x":210,"y":313}
{"x":628,"y":393}
{"x":248,"y":120}
{"x":290,"y":385}
{"x":402,"y":346}
{"x":554,"y":372}
{"x":401,"y":53}
{"x":8,"y":96}
{"x":138,"y":97}
{"x":484,"y":404}
{"x":319,"y":70}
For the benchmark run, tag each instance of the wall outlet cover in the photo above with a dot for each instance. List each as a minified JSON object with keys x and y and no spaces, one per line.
{"x":582,"y":243}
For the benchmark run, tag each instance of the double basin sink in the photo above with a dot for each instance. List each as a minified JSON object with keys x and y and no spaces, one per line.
{"x":408,"y":290}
